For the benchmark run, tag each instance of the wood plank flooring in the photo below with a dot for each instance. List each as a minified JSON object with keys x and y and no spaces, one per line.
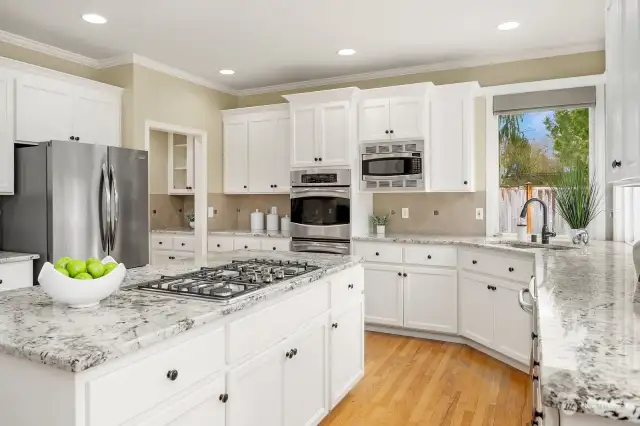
{"x":412,"y":382}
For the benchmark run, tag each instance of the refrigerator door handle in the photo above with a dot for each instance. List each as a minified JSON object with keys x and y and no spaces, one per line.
{"x":116,"y":208}
{"x":104,"y":189}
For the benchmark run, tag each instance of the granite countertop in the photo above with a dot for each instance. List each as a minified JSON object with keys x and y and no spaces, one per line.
{"x":9,"y":257}
{"x":33,"y":327}
{"x":230,"y":233}
{"x":588,"y":323}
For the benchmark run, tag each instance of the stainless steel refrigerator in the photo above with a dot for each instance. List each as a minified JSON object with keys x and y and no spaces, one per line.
{"x":78,"y":200}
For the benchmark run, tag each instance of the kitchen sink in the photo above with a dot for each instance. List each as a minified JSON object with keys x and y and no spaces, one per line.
{"x":521,"y":245}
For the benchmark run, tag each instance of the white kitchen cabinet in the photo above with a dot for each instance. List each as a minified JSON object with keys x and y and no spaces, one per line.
{"x":347,"y":351}
{"x":476,"y":307}
{"x":452,"y":141}
{"x":15,"y":275}
{"x":6,"y":134}
{"x":169,"y":257}
{"x":333,"y":141}
{"x":512,"y":325}
{"x":48,"y":108}
{"x":383,"y":286}
{"x":246,"y":243}
{"x":281,"y":155}
{"x":406,"y":118}
{"x":430,"y":299}
{"x":306,"y":376}
{"x":181,"y":165}
{"x":236,"y":163}
{"x":275,"y":244}
{"x":373,"y":120}
{"x":256,"y":391}
{"x":303,"y":131}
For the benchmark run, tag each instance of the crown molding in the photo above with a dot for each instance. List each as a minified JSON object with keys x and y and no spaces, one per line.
{"x":37,"y":46}
{"x":442,"y":66}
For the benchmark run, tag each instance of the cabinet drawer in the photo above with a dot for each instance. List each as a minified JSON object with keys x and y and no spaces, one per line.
{"x":431,"y":255}
{"x":276,"y":244}
{"x":264,"y":328}
{"x":161,"y":242}
{"x":220,"y":243}
{"x":122,"y":394}
{"x":16,"y":275}
{"x":507,"y":267}
{"x":249,"y":243}
{"x":184,"y":243}
{"x":170,"y":257}
{"x":347,"y":287}
{"x":376,"y":252}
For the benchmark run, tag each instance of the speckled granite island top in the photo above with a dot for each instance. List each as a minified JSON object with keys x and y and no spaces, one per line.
{"x":589,"y":324}
{"x":33,"y":327}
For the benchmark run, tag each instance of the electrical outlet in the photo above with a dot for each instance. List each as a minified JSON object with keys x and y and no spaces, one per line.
{"x":479,"y":213}
{"x":210,"y":211}
{"x":405,"y":213}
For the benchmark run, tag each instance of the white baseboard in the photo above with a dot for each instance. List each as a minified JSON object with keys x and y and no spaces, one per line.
{"x":450,"y":339}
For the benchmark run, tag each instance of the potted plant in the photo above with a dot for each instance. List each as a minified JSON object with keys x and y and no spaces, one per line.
{"x":577,"y":199}
{"x":380,"y":223}
{"x":191,"y":217}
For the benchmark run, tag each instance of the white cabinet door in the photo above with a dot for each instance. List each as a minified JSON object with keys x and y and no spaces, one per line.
{"x":347,"y":352}
{"x":430,"y":299}
{"x":373,"y":120}
{"x":333,"y":137}
{"x":631,"y":93}
{"x":246,"y":243}
{"x":475,"y":306}
{"x":513,"y":326}
{"x":306,"y":376}
{"x":452,"y":126}
{"x":96,"y":117}
{"x":383,"y":289}
{"x":303,"y":148}
{"x":262,"y":139}
{"x":406,"y":117}
{"x":44,"y":109}
{"x":235,"y":157}
{"x":162,"y":257}
{"x":280,"y":167}
{"x":6,"y":134}
{"x":614,"y":92}
{"x":256,"y":393}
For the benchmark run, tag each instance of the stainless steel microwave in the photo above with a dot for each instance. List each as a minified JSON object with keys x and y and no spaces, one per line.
{"x":390,"y":166}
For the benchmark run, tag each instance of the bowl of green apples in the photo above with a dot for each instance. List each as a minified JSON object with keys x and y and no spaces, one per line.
{"x":81,"y":283}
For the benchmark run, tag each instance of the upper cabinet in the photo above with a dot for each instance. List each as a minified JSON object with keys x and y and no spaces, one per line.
{"x":393,"y":113}
{"x":48,"y":108}
{"x":452,"y":137}
{"x":256,"y":150}
{"x":6,"y":135}
{"x":181,"y":172}
{"x":323,"y":128}
{"x":623,"y":90}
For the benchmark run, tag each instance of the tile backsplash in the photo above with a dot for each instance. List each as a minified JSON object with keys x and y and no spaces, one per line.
{"x":167,"y":211}
{"x":433,"y":213}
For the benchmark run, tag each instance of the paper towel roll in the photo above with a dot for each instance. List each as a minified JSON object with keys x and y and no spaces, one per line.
{"x":284,"y":223}
{"x":272,"y":222}
{"x":257,"y":221}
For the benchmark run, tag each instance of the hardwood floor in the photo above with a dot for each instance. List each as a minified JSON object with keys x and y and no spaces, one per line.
{"x":412,"y":381}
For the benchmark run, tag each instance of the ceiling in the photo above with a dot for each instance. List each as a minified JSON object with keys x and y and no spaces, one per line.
{"x":272,"y":42}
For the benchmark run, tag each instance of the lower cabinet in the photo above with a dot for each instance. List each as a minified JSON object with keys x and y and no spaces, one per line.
{"x":163,"y":257}
{"x":383,"y":287}
{"x":491,"y":316}
{"x":431,"y":299}
{"x":16,"y":275}
{"x":347,"y":351}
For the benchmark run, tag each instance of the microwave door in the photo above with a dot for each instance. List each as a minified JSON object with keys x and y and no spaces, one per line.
{"x":375,"y":167}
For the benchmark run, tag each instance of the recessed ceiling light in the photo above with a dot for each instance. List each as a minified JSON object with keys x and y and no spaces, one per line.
{"x":346,"y":52}
{"x":93,"y":18}
{"x":506,"y":26}
{"x":227,"y":72}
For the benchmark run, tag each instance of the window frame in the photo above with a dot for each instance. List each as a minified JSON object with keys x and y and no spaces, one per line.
{"x":597,"y":154}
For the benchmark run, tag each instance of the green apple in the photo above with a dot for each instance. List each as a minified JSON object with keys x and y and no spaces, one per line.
{"x":83,"y":276}
{"x":62,"y":271}
{"x":62,"y":262}
{"x":96,"y":269}
{"x":91,"y":260}
{"x":76,"y":267}
{"x":110,"y":267}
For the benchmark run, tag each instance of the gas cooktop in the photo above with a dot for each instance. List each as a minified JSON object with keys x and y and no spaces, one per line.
{"x":228,"y":282}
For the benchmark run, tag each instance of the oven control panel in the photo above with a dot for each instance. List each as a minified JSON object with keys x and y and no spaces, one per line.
{"x":320,"y":178}
{"x":416,"y":164}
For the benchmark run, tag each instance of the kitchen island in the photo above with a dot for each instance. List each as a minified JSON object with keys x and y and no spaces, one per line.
{"x":284,"y":354}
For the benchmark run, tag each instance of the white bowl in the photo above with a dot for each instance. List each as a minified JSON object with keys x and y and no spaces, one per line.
{"x":80,"y":293}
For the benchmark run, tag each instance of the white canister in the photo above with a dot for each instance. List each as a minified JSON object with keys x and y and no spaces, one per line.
{"x":522,"y":233}
{"x":257,"y":221}
{"x":272,"y":222}
{"x":284,"y":223}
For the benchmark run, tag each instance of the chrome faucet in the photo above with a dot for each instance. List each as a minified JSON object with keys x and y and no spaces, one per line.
{"x":545,"y":226}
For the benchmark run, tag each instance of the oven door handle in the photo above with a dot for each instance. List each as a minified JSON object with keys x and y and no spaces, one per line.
{"x":321,"y":192}
{"x":369,"y":157}
{"x":320,"y":247}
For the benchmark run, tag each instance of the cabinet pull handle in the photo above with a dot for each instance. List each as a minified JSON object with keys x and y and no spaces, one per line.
{"x":616,"y":164}
{"x":218,"y":245}
{"x":274,"y":248}
{"x":399,"y":274}
{"x":275,"y":186}
{"x":315,"y":159}
{"x":182,"y":244}
{"x":172,"y":375}
{"x":320,"y":159}
{"x":386,"y":131}
{"x":160,"y":242}
{"x":294,"y":351}
{"x":404,"y":275}
{"x":246,"y":247}
{"x":488,"y":287}
{"x":288,"y":355}
{"x":429,"y":257}
{"x":77,"y":138}
{"x":377,"y":254}
{"x":224,"y":398}
{"x":334,"y":325}
{"x":475,"y":262}
{"x":465,"y":182}
{"x":350,"y":286}
{"x":0,"y":281}
{"x":71,"y":138}
{"x":511,"y":269}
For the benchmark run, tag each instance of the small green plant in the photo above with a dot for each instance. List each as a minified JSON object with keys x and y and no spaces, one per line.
{"x":379,"y":220}
{"x":577,"y":197}
{"x":190,"y":216}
